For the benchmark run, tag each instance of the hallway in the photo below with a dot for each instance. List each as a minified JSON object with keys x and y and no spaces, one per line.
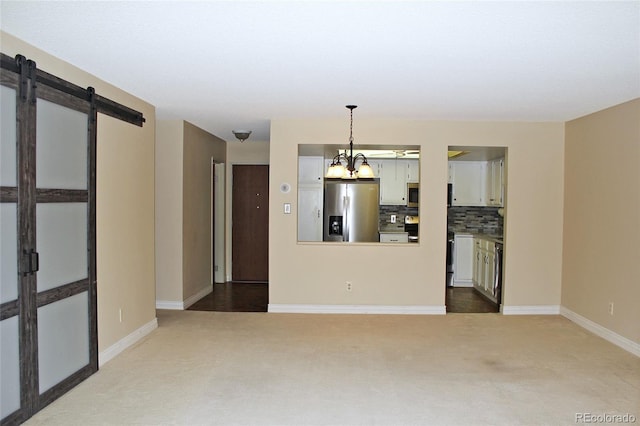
{"x":235,"y":297}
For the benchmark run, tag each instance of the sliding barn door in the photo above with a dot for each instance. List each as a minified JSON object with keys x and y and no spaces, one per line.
{"x":10,"y":324}
{"x":48,"y":319}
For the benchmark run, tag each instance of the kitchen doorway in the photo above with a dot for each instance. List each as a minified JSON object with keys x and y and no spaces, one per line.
{"x":476,"y":199}
{"x":467,"y":300}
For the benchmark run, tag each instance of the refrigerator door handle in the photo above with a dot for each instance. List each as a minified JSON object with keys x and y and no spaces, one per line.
{"x":345,"y":218}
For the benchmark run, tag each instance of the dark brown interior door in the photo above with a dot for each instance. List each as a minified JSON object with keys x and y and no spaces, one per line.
{"x":250,"y":223}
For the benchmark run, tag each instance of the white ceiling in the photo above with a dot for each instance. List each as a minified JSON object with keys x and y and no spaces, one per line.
{"x":225,"y":65}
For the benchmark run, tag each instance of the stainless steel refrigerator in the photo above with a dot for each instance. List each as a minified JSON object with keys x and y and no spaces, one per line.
{"x":351,"y":210}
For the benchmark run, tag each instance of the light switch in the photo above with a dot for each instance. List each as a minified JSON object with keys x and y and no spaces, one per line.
{"x":287,"y":208}
{"x":393,"y":218}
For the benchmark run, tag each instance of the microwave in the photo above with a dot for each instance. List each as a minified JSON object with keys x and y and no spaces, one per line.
{"x":413,"y":194}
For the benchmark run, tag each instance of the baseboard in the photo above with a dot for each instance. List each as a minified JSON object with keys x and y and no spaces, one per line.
{"x":199,"y":295}
{"x":463,"y":284}
{"x":531,"y":310}
{"x":618,"y":340}
{"x":357,"y":309}
{"x":181,"y":306}
{"x":127,"y":341}
{"x":170,"y":304}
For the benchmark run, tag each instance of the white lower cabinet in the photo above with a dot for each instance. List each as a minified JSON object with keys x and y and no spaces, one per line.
{"x":394,"y":237}
{"x":463,"y":261}
{"x":483,"y":266}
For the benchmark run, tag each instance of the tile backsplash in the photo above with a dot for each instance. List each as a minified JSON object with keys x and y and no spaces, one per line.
{"x":485,"y":220}
{"x":399,"y":211}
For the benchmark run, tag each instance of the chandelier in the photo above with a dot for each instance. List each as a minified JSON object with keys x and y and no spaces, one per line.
{"x":338,"y":171}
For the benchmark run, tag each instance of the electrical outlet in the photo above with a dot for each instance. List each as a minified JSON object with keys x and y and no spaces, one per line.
{"x":610,"y":308}
{"x":393,"y":218}
{"x":349,"y":285}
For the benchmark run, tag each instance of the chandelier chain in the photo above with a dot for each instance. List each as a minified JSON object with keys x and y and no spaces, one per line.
{"x":351,"y":127}
{"x":337,"y":170}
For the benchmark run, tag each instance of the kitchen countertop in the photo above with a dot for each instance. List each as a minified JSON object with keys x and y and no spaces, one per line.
{"x":491,"y":237}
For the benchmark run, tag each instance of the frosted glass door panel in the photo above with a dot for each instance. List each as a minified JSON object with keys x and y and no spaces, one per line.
{"x":61,"y":153}
{"x":7,"y":136}
{"x":9,"y":367}
{"x":62,"y":243}
{"x":8,"y":252}
{"x":63,"y":339}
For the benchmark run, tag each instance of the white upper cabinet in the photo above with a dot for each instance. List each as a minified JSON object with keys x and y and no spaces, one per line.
{"x":310,"y":198}
{"x":495,"y":183}
{"x":413,"y":171}
{"x":310,"y":170}
{"x":394,"y":175}
{"x":393,"y":182}
{"x":477,"y":183}
{"x":469,"y":182}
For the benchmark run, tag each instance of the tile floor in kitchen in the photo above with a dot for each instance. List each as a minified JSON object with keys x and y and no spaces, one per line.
{"x":467,"y":300}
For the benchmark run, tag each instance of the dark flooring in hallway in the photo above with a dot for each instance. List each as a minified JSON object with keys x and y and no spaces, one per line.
{"x":235,"y":297}
{"x":254,"y":297}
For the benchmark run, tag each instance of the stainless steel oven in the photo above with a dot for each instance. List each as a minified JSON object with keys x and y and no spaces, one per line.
{"x":411,"y":224}
{"x":413,"y":194}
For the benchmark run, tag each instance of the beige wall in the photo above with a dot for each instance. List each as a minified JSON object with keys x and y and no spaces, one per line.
{"x":169,"y":212}
{"x":602,"y":218}
{"x":248,"y":152}
{"x":184,"y":155}
{"x":125,"y":203}
{"x":200,"y":149}
{"x":315,"y":273}
{"x":183,"y":205}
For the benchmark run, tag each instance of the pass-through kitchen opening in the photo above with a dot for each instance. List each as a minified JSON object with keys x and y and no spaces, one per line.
{"x":380,"y":206}
{"x":476,"y":199}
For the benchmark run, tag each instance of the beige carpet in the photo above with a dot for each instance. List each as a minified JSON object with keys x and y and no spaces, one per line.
{"x":286,"y":369}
